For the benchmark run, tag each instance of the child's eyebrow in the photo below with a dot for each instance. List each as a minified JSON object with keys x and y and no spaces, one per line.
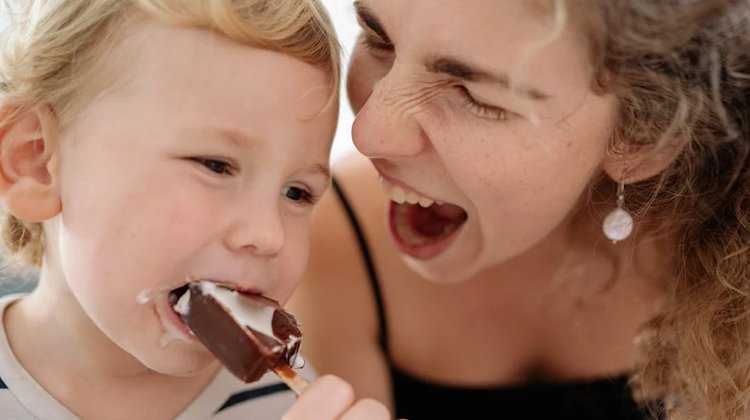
{"x":321,"y":169}
{"x":242,"y":140}
{"x":236,"y":137}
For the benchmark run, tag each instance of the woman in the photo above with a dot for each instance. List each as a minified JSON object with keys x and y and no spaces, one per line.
{"x":565,"y":188}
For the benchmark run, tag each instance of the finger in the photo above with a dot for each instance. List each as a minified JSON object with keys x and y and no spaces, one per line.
{"x":367,"y":409}
{"x":324,"y":399}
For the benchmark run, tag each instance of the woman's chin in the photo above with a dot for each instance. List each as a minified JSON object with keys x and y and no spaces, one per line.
{"x":458,"y":263}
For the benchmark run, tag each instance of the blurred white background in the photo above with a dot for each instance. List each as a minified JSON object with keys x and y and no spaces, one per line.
{"x":345,"y":21}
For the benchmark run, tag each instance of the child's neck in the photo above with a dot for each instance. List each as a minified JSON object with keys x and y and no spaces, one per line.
{"x":53,"y":319}
{"x":69,"y":356}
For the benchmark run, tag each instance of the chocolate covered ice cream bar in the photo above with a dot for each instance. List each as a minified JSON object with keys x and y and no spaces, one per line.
{"x":248,"y":333}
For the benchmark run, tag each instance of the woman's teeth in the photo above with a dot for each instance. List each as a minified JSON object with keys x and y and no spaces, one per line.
{"x":401,"y":196}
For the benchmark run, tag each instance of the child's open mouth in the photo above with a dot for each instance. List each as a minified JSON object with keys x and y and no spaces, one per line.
{"x":176,"y":294}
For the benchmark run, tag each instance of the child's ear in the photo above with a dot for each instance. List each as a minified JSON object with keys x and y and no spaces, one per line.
{"x":642,"y":163}
{"x":29,"y":182}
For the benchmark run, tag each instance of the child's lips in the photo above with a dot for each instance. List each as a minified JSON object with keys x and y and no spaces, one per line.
{"x":163,"y":301}
{"x":175,"y":294}
{"x":234,"y":285}
{"x":173,"y":317}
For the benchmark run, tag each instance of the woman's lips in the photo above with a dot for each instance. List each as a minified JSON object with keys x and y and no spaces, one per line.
{"x":424,"y":233}
{"x":422,"y":227}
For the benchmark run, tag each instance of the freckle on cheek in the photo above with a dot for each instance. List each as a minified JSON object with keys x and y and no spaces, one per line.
{"x":487,"y":181}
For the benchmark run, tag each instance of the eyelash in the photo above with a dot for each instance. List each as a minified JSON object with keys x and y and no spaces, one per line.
{"x":217,"y":166}
{"x":483,"y":110}
{"x":306,"y":197}
{"x":376,"y":44}
{"x":225,"y":168}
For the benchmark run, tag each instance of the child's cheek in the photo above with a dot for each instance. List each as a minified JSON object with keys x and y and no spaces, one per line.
{"x":294,"y":259}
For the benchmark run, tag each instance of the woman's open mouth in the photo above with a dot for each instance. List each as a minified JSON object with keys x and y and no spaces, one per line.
{"x":421,"y":227}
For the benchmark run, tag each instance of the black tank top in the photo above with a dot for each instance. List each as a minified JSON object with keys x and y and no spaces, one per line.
{"x":416,"y":399}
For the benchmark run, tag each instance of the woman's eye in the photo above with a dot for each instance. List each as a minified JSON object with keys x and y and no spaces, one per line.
{"x":217,"y":166}
{"x":299,"y":195}
{"x":490,"y":112}
{"x":375,"y":43}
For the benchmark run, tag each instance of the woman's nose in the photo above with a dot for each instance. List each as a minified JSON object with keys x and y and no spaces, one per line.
{"x":257,"y":229}
{"x":387,"y":125}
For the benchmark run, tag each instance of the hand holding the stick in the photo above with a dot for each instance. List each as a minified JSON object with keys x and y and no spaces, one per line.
{"x":330,"y":397}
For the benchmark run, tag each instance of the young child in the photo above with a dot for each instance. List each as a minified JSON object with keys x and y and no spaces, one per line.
{"x":143,"y":144}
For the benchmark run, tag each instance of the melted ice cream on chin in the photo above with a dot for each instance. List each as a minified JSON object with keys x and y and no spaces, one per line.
{"x":159,"y":298}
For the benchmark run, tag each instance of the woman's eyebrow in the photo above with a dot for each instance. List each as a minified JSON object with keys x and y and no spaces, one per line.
{"x":367,"y":16}
{"x":450,"y":66}
{"x":463,"y":71}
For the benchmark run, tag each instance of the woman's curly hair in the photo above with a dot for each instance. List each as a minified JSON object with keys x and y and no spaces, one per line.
{"x":681,"y":72}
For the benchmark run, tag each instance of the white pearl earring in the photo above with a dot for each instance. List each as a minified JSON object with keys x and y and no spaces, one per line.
{"x":618,"y":224}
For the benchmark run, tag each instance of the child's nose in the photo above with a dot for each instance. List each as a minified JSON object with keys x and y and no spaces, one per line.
{"x":257,"y":229}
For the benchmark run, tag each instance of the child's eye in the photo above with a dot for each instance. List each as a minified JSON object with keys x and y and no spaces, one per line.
{"x":217,"y":166}
{"x":490,"y":112}
{"x":299,"y":195}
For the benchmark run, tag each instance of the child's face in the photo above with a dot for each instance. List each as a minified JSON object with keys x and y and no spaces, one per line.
{"x":199,"y":166}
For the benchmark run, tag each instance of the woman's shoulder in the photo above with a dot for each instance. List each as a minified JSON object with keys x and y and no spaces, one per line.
{"x":359,"y":182}
{"x":335,"y":299}
{"x":336,"y":233}
{"x":354,"y":201}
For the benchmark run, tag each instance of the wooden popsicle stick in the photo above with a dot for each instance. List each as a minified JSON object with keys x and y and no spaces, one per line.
{"x":295,"y":382}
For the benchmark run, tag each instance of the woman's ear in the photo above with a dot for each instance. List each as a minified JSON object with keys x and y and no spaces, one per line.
{"x":642,"y":163}
{"x":29,"y":178}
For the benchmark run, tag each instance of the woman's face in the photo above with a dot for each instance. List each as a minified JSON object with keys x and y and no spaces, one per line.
{"x":481,"y":113}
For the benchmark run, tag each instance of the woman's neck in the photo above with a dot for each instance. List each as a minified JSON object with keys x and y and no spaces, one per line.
{"x":578,"y":260}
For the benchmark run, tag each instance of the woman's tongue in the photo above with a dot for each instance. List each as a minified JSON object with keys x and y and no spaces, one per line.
{"x":420,"y":226}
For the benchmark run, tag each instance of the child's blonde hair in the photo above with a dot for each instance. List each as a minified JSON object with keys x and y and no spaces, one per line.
{"x":58,"y":52}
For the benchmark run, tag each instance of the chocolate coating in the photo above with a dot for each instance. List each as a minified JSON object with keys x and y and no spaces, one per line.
{"x":244,"y":351}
